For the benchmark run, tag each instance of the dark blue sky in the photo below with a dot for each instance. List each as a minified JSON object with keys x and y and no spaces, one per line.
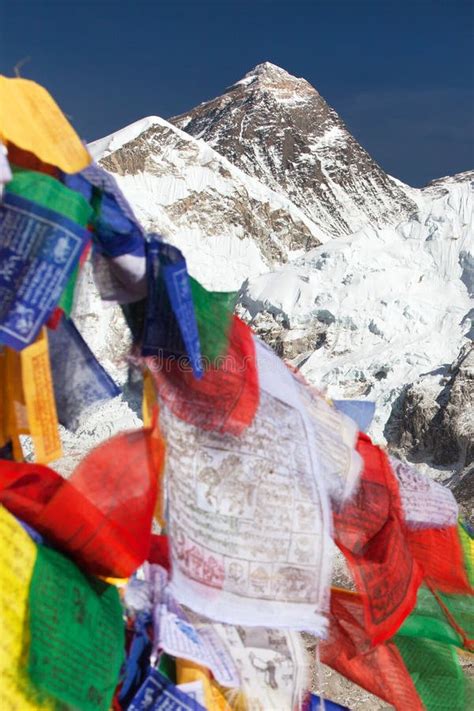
{"x":399,"y":72}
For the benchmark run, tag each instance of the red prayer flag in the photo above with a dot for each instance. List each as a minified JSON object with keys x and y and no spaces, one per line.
{"x":440,"y":555}
{"x":348,"y":649}
{"x":371,"y":533}
{"x":102,"y":515}
{"x":159,"y":553}
{"x":226,"y":398}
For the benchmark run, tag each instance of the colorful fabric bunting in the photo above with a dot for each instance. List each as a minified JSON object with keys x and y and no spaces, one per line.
{"x":119,"y":244}
{"x":225,"y":399}
{"x":273,"y":664}
{"x":250,"y":531}
{"x":370,"y":531}
{"x":39,"y":250}
{"x":262,"y":475}
{"x":79,"y":379}
{"x":349,"y":650}
{"x":35,"y":123}
{"x":214,"y":312}
{"x":138,"y":661}
{"x":159,"y":693}
{"x":93,"y":516}
{"x":17,"y":560}
{"x":442,"y":618}
{"x":440,"y":555}
{"x":50,"y":193}
{"x":77,"y":636}
{"x":436,"y":673}
{"x":170,"y":322}
{"x":40,"y":404}
{"x":425,"y":503}
{"x":177,"y":636}
{"x":189,"y":674}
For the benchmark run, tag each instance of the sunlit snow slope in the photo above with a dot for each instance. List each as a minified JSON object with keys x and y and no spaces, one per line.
{"x":229,"y":225}
{"x":385,"y":305}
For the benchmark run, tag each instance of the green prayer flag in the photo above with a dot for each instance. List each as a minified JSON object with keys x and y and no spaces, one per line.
{"x":77,"y":633}
{"x":429,"y":620}
{"x":67,"y":297}
{"x":48,"y":192}
{"x":436,"y":673}
{"x":167,"y":667}
{"x":214,"y":313}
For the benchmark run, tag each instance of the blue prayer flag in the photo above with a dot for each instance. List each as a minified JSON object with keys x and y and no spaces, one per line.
{"x":39,"y":250}
{"x":79,"y":379}
{"x":361,"y":411}
{"x":158,"y":692}
{"x":170,"y":322}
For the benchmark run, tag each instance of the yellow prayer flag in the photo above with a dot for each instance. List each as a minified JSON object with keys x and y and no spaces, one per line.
{"x":189,"y":671}
{"x":17,"y":560}
{"x":31,"y":119}
{"x":149,"y":399}
{"x":15,"y":407}
{"x":39,"y":397}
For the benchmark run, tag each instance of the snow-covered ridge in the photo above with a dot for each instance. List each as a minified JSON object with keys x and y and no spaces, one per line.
{"x":387,"y":304}
{"x":229,"y":224}
{"x":103,"y":147}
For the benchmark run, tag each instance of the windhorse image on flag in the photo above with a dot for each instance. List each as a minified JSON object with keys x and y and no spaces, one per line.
{"x":236,"y":392}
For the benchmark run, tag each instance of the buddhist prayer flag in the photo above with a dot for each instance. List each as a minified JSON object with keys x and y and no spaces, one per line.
{"x":39,"y":250}
{"x":349,"y":650}
{"x":79,"y":379}
{"x":170,"y":322}
{"x":158,"y":692}
{"x":226,"y":398}
{"x":425,"y":503}
{"x":361,"y":411}
{"x":258,"y":510}
{"x":92,"y":516}
{"x":77,"y":635}
{"x":214,"y":314}
{"x":371,"y":533}
{"x":34,"y":122}
{"x":40,"y":404}
{"x":17,"y":560}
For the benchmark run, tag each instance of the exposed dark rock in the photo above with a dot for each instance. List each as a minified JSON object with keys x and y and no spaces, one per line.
{"x":280,"y":130}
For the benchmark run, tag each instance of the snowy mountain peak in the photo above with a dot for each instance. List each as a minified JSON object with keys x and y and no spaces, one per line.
{"x":278,"y":129}
{"x":270,"y":77}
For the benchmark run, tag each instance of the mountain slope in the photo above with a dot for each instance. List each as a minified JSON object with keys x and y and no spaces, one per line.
{"x":278,"y":129}
{"x":229,"y":224}
{"x":366,"y":315}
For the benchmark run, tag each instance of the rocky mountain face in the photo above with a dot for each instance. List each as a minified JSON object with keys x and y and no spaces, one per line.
{"x":278,"y":129}
{"x":433,"y":422}
{"x":229,"y":225}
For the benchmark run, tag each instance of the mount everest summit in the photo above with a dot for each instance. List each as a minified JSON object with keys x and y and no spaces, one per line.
{"x":363,"y":282}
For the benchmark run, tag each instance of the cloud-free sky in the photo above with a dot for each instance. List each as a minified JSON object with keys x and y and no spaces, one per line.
{"x":400,"y":73}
